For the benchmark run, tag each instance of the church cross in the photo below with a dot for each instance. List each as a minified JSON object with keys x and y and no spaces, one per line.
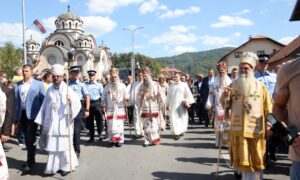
{"x":254,"y":95}
{"x":69,"y":8}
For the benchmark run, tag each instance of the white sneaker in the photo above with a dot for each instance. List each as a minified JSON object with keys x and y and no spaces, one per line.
{"x":21,"y":144}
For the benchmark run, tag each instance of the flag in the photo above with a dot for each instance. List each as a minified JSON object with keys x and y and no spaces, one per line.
{"x":39,"y":26}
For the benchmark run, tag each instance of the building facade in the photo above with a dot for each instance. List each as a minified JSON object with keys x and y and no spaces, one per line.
{"x":69,"y":46}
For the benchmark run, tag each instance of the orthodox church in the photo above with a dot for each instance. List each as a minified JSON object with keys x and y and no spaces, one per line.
{"x":69,"y":46}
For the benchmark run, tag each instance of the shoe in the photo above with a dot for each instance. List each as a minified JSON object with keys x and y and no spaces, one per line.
{"x":237,"y":175}
{"x":111,"y":144}
{"x":64,"y":173}
{"x":177,"y":137}
{"x":26,"y":170}
{"x":118,"y":144}
{"x":90,"y":141}
{"x":21,"y":145}
{"x":100,"y":139}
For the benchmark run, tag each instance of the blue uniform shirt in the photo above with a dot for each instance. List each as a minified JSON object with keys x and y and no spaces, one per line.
{"x":79,"y":88}
{"x":269,"y":79}
{"x":95,"y":90}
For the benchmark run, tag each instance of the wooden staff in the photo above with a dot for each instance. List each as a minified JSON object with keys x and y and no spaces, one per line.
{"x":70,"y":56}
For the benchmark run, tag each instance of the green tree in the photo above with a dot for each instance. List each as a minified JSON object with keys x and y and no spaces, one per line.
{"x":10,"y":57}
{"x":123,"y":61}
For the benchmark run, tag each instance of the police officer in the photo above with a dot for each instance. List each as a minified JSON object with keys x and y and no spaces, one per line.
{"x":269,"y":80}
{"x":82,"y":92}
{"x":95,"y":90}
{"x":265,"y":76}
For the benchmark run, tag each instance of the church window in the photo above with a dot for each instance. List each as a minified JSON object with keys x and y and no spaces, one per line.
{"x":70,"y":25}
{"x":59,"y":43}
{"x":63,"y":25}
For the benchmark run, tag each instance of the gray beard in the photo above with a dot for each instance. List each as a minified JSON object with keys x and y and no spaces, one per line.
{"x":114,"y":85}
{"x":244,"y":82}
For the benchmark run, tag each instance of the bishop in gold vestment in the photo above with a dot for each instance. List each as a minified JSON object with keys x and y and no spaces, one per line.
{"x":249,"y":102}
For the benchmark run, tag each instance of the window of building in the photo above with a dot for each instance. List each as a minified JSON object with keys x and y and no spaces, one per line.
{"x":59,"y":43}
{"x":260,"y":52}
{"x":70,"y":25}
{"x":238,"y":54}
{"x":63,"y":25}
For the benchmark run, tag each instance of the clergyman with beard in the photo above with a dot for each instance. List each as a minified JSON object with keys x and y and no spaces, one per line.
{"x":114,"y":101}
{"x":148,"y":99}
{"x":249,"y":102}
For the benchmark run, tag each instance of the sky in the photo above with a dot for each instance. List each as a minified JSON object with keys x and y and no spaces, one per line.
{"x":170,"y":27}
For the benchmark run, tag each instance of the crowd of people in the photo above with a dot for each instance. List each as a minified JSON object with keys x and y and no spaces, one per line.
{"x":56,"y":107}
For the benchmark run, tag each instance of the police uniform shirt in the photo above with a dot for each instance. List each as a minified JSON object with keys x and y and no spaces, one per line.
{"x":95,"y":90}
{"x":268,"y":78}
{"x":79,"y":88}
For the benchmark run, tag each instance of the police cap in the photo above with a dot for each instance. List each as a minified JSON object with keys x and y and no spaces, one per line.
{"x":75,"y":69}
{"x":91,"y":72}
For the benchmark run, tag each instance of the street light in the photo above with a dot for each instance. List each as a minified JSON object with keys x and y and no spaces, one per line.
{"x":23,"y":29}
{"x":132,"y":30}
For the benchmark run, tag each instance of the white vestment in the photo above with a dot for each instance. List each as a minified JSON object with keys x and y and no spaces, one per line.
{"x":163,"y":89}
{"x":3,"y":162}
{"x":215,"y":93}
{"x":149,"y":112}
{"x":114,"y":102}
{"x":53,"y":117}
{"x":138,"y":125}
{"x":177,"y":94}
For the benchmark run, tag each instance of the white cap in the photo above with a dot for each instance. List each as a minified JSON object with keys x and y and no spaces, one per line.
{"x":57,"y":69}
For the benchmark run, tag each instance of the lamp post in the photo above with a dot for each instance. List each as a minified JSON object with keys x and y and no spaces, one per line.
{"x":23,"y":28}
{"x":132,"y":30}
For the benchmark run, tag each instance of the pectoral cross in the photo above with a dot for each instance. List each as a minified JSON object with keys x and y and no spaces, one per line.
{"x":54,"y":106}
{"x":236,"y":95}
{"x":254,"y":95}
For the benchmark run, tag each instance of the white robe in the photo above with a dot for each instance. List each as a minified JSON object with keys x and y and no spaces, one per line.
{"x":138,"y":125}
{"x":114,"y":102}
{"x":177,"y":93}
{"x":162,"y":106}
{"x":215,"y":94}
{"x":149,"y":113}
{"x":53,"y":117}
{"x":3,"y":162}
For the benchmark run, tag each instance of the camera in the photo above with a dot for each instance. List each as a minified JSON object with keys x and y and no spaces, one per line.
{"x":290,"y":132}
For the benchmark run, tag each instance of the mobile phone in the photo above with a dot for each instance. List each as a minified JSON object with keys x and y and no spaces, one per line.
{"x":271,"y":118}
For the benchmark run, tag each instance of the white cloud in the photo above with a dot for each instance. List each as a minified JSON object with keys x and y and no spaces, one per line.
{"x":183,"y":49}
{"x":245,"y":11}
{"x":64,"y":1}
{"x":178,"y":35}
{"x":179,"y":12}
{"x":149,"y":6}
{"x":226,"y":21}
{"x":97,"y":25}
{"x":49,"y":24}
{"x":287,"y":40}
{"x":264,"y":11}
{"x":214,"y":40}
{"x":13,"y":33}
{"x":104,"y":6}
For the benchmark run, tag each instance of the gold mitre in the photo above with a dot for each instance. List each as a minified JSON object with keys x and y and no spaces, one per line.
{"x":249,"y":58}
{"x":114,"y":71}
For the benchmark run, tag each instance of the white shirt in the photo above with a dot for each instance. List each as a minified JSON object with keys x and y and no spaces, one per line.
{"x":23,"y":93}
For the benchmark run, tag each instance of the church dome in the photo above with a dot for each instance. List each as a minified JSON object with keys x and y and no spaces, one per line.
{"x":68,"y":16}
{"x":69,"y":22}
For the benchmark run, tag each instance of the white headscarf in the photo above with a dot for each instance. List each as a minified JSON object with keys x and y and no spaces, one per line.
{"x":2,"y":107}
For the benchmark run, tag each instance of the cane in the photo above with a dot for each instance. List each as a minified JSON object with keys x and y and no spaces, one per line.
{"x":70,"y":56}
{"x":220,"y":140}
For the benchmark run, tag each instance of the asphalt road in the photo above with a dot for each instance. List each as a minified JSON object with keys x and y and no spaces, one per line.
{"x":194,"y":156}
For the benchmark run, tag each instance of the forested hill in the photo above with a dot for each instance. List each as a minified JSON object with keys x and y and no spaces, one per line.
{"x":195,"y":62}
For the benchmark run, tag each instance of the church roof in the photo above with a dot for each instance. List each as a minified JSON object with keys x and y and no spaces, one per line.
{"x":31,"y":41}
{"x":68,"y":16}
